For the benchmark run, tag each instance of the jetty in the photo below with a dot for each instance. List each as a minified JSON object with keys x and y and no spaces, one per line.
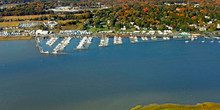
{"x":153,"y":38}
{"x":82,"y":43}
{"x":133,"y":39}
{"x":62,"y":45}
{"x":51,"y":41}
{"x":144,"y":38}
{"x":117,"y":40}
{"x":166,"y":38}
{"x":104,"y":42}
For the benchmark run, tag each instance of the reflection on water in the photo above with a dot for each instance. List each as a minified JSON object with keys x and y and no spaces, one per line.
{"x":115,"y":77}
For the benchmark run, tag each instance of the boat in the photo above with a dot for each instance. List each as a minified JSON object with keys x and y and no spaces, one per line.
{"x":186,"y":41}
{"x":212,"y":41}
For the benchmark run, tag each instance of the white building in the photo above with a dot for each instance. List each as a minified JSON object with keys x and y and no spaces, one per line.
{"x":124,"y":28}
{"x":203,"y":28}
{"x":207,"y":17}
{"x":218,"y":26}
{"x":51,"y":24}
{"x":196,"y":5}
{"x":41,"y":32}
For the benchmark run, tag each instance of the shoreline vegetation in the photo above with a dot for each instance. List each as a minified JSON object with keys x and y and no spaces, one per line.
{"x":17,"y":38}
{"x":199,"y":106}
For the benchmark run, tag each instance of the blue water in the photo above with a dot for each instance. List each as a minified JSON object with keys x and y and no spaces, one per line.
{"x":109,"y":78}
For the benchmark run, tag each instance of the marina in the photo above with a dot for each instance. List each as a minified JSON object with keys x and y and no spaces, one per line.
{"x":86,"y":40}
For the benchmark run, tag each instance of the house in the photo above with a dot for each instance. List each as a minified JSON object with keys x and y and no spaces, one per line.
{"x":136,"y":32}
{"x":137,"y":27}
{"x":218,"y":26}
{"x":167,"y":3}
{"x":196,"y":5}
{"x":207,"y":17}
{"x":132,"y":23}
{"x":124,"y":28}
{"x":203,"y":28}
{"x":75,"y":8}
{"x":210,"y":22}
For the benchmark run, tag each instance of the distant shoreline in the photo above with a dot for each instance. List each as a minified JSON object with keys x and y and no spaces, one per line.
{"x":199,"y":106}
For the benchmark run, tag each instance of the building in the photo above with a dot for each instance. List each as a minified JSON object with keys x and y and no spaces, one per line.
{"x":203,"y":28}
{"x":63,"y":8}
{"x":41,"y":32}
{"x":51,"y":24}
{"x":196,"y":5}
{"x":218,"y":26}
{"x":28,"y":25}
{"x":124,"y":28}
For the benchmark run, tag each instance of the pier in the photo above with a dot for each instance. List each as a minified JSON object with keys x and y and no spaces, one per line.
{"x":144,"y":38}
{"x":62,"y":45}
{"x":133,"y":39}
{"x":117,"y":40}
{"x":51,"y":41}
{"x":83,"y":42}
{"x":104,"y":42}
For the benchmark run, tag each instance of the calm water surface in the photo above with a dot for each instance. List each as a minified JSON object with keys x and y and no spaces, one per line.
{"x":111,"y":78}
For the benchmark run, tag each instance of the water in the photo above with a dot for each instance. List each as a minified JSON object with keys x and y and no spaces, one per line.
{"x":111,"y":78}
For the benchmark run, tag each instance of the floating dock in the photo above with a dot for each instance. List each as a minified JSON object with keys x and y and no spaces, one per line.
{"x":166,"y":38}
{"x":144,"y":38}
{"x":117,"y":40}
{"x":104,"y":42}
{"x":82,"y":43}
{"x":154,"y":38}
{"x":62,"y":45}
{"x":51,"y":41}
{"x":133,"y":39}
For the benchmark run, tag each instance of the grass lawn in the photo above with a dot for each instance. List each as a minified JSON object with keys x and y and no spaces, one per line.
{"x":98,"y":29}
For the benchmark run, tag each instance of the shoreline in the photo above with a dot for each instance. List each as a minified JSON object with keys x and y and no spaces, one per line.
{"x":170,"y":106}
{"x":16,"y":38}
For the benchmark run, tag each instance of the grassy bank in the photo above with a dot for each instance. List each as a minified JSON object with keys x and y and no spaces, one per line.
{"x":204,"y":106}
{"x":17,"y":38}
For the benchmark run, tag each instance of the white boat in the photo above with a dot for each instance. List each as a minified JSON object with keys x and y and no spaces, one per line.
{"x":203,"y":41}
{"x":186,"y":41}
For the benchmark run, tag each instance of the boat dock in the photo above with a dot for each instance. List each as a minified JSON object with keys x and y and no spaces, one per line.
{"x":82,"y":43}
{"x":144,"y":38}
{"x":133,"y":39}
{"x":86,"y":40}
{"x":51,"y":41}
{"x":166,"y":38}
{"x":62,"y":45}
{"x":117,"y":40}
{"x":104,"y":42}
{"x":154,"y":38}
